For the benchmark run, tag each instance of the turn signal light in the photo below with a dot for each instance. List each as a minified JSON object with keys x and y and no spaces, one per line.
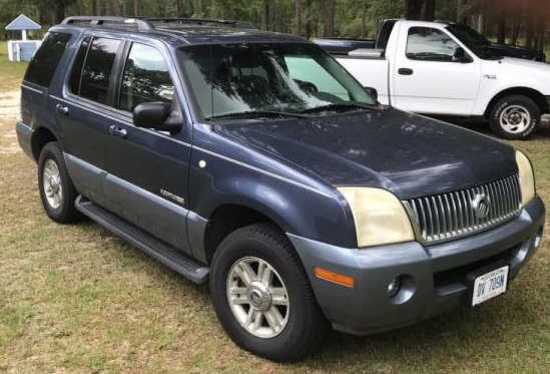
{"x":341,"y":279}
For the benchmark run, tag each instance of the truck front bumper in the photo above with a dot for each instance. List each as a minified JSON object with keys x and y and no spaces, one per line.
{"x":433,"y":278}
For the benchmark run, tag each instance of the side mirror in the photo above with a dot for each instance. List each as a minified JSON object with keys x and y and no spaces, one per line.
{"x":461,"y":56}
{"x":156,"y":115}
{"x":372,"y":92}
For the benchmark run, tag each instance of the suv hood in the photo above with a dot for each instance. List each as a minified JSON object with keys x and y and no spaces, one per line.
{"x":408,"y":154}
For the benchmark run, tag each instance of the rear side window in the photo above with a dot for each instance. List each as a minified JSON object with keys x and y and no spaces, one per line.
{"x":44,"y":63}
{"x":91,"y":74}
{"x":146,"y":78}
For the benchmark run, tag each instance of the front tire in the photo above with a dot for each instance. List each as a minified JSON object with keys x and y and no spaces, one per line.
{"x":515,"y":117}
{"x":262,"y":296}
{"x":56,"y":188}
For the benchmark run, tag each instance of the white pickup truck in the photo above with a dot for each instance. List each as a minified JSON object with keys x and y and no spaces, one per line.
{"x":443,"y":69}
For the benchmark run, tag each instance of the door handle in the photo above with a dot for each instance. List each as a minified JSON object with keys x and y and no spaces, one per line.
{"x":62,"y":109}
{"x":118,"y":131}
{"x":405,"y":71}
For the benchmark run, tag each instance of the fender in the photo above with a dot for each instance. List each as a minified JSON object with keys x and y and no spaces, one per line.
{"x":510,"y":74}
{"x":267,"y":186}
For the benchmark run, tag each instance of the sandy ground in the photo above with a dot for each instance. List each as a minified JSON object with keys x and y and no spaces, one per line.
{"x":9,"y":112}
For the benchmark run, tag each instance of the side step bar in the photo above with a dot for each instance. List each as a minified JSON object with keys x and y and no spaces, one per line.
{"x":169,"y":256}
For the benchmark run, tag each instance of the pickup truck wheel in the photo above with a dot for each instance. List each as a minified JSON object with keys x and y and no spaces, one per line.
{"x":56,"y":189}
{"x":515,"y":117}
{"x":262,"y":296}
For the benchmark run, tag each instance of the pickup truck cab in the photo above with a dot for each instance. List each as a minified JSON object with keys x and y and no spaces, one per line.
{"x":440,"y":68}
{"x":255,"y":162}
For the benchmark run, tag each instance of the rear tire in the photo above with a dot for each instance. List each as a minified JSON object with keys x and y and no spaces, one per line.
{"x":56,"y":188}
{"x":302,"y":326}
{"x":515,"y":117}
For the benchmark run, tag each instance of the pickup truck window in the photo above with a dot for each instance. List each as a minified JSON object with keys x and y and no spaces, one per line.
{"x":146,"y":78}
{"x":91,"y":72}
{"x":428,"y":44}
{"x":42,"y":67}
{"x":257,"y":77}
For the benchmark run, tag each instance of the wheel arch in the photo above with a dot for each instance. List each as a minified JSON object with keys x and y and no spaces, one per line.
{"x":231,"y":216}
{"x":40,"y":137}
{"x":537,"y":96}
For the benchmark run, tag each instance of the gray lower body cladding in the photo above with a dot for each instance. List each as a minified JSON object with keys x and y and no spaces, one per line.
{"x":434,"y":277}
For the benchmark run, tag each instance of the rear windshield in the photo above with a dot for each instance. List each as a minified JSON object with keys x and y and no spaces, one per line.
{"x":44,"y":63}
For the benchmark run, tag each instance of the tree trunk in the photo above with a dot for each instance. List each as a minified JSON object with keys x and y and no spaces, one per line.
{"x":298,"y":17}
{"x":266,"y":15}
{"x":429,"y":10}
{"x":480,"y":22}
{"x":501,"y":31}
{"x":541,"y":34}
{"x":94,"y":8}
{"x":529,"y":30}
{"x":413,"y":9}
{"x":330,"y":7}
{"x":364,"y":18}
{"x":59,"y":11}
{"x":308,"y":18}
{"x":136,"y":8}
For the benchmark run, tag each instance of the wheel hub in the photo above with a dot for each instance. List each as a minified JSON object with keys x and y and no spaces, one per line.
{"x":52,"y":184}
{"x":259,"y":296}
{"x":515,"y":119}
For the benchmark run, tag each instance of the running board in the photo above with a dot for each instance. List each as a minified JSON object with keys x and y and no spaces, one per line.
{"x":162,"y":252}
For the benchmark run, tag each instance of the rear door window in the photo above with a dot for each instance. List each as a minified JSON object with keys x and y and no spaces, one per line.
{"x":44,"y":63}
{"x":146,"y":78}
{"x":93,"y":67}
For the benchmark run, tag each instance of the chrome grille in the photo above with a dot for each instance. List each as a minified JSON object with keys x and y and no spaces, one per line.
{"x":455,"y":214}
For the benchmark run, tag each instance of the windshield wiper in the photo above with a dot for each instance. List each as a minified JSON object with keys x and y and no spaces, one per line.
{"x":256,"y":114}
{"x":335,"y":107}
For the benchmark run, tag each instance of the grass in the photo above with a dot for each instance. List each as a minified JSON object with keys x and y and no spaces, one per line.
{"x":77,"y":299}
{"x":11,"y":73}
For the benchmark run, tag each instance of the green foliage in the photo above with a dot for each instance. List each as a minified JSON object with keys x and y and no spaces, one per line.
{"x":352,"y":17}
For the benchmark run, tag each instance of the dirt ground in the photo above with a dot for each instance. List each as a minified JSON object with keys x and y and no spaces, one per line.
{"x":9,"y":108}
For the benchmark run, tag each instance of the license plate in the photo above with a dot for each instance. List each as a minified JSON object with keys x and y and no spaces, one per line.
{"x":490,"y":284}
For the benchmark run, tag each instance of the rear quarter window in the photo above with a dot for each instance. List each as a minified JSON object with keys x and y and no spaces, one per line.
{"x":44,"y":63}
{"x":92,"y":69}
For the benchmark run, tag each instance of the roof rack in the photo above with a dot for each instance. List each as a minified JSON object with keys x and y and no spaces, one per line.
{"x":200,"y":21}
{"x":140,"y":24}
{"x":146,"y":23}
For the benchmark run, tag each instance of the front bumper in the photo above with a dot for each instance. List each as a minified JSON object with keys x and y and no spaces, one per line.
{"x":434,"y":277}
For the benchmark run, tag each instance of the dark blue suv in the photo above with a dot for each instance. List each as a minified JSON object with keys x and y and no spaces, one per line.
{"x":254,"y":161}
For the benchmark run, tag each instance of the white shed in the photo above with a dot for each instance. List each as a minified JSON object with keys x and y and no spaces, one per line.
{"x":22,"y":50}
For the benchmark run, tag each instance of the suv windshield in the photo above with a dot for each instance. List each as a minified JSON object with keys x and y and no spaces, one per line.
{"x":268,"y":80}
{"x":475,"y":41}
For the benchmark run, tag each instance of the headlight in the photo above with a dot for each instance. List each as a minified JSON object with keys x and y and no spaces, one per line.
{"x":379,"y":216}
{"x":526,"y":178}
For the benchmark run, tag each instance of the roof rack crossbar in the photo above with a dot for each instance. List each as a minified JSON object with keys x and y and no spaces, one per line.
{"x":199,"y":21}
{"x":141,"y":24}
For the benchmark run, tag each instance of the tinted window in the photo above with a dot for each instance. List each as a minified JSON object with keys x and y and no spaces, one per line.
{"x":45,"y":61}
{"x":76,"y":73}
{"x":146,"y":78}
{"x":96,"y":74}
{"x":428,"y":44}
